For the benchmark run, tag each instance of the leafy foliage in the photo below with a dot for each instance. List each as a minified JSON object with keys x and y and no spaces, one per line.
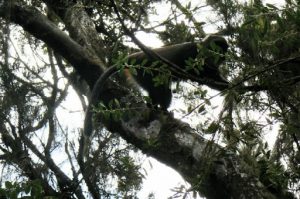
{"x":28,"y":190}
{"x":36,"y":82}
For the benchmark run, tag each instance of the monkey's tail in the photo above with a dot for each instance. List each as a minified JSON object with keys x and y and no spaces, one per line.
{"x":96,"y":92}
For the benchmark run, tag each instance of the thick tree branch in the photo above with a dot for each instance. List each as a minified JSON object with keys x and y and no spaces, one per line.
{"x":87,"y":65}
{"x":79,"y":25}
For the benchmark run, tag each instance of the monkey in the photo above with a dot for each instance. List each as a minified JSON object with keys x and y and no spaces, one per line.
{"x":177,"y":55}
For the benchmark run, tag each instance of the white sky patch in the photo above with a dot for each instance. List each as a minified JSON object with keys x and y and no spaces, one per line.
{"x":150,"y":40}
{"x":160,"y":180}
{"x":70,"y":113}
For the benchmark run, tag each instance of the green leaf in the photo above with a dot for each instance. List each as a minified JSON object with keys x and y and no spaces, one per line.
{"x":155,"y":63}
{"x":132,"y":61}
{"x":188,"y":6}
{"x":144,"y":62}
{"x":133,"y":70}
{"x":27,"y":189}
{"x":8,"y":185}
{"x":201,"y":109}
{"x":271,"y":6}
{"x":268,"y":154}
{"x":213,"y":128}
{"x":117,"y":103}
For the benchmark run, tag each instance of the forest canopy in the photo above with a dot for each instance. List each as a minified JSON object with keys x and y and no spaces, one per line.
{"x":232,"y":130}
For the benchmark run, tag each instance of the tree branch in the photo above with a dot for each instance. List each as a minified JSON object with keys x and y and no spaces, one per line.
{"x":202,"y":163}
{"x":32,"y":21}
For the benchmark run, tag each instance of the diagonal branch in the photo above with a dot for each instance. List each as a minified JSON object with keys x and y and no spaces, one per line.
{"x":32,"y":21}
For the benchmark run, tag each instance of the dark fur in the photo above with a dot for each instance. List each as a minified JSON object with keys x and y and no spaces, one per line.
{"x":98,"y":87}
{"x":177,"y":54}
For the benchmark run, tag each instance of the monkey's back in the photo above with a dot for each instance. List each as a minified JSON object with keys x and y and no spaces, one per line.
{"x":179,"y":54}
